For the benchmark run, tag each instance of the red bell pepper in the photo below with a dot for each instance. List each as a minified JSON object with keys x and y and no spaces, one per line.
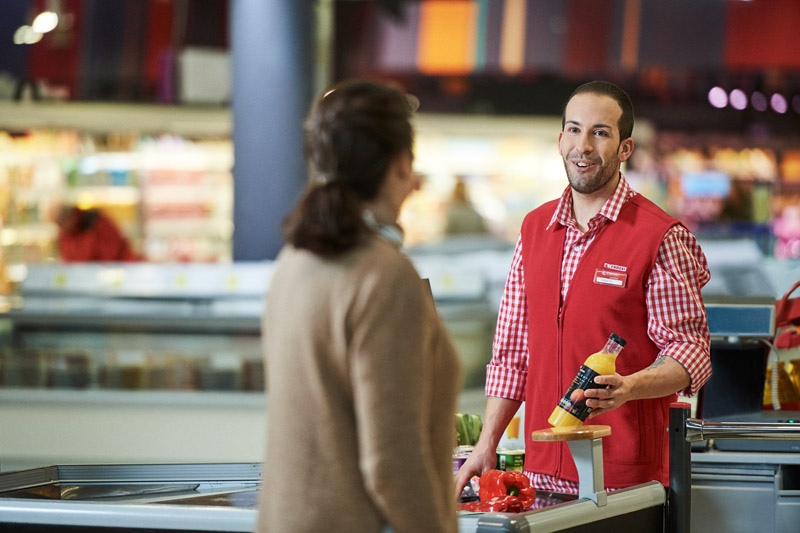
{"x":500,"y":483}
{"x":498,"y":504}
{"x":502,"y":492}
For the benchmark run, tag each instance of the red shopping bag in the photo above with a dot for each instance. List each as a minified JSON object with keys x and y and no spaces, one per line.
{"x":787,"y":320}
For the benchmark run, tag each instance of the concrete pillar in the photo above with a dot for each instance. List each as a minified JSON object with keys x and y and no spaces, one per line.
{"x":272,"y":56}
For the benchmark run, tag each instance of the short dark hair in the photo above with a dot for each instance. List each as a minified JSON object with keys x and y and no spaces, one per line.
{"x":606,"y":88}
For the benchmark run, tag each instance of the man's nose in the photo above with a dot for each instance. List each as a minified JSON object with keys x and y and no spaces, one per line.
{"x":583,"y":143}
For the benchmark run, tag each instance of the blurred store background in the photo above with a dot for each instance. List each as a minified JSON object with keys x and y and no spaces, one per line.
{"x":142,"y":109}
{"x":125,"y":106}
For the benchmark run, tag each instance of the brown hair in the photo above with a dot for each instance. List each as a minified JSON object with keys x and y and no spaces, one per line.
{"x":606,"y":88}
{"x":352,"y":134}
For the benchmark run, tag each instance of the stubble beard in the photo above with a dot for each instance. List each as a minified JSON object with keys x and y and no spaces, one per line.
{"x":591,"y":183}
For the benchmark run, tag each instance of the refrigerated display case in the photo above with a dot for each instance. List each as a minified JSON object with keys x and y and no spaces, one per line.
{"x":135,"y":498}
{"x":162,"y":362}
{"x":134,"y":363}
{"x":223,"y":497}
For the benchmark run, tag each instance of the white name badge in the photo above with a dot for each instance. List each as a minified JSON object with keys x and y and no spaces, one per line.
{"x":609,"y":277}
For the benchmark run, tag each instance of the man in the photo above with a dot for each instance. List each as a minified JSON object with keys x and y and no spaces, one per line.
{"x":555,"y":311}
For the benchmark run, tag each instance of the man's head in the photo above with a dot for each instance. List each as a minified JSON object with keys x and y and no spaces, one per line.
{"x":605,"y":88}
{"x":591,"y":142}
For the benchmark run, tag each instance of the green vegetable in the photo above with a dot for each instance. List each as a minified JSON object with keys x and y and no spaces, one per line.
{"x":468,"y":429}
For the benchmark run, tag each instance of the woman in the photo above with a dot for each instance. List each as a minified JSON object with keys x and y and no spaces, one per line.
{"x":362,"y":378}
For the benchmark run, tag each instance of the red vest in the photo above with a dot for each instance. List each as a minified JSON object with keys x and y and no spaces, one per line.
{"x":637,"y":449}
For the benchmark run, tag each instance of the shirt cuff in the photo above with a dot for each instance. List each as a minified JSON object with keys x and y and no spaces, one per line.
{"x":505,"y":382}
{"x":697,"y":362}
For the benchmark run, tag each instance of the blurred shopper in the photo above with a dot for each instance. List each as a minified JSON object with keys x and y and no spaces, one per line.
{"x":600,"y":259}
{"x":87,"y":235}
{"x":786,"y":228}
{"x":362,"y":378}
{"x":462,"y":218}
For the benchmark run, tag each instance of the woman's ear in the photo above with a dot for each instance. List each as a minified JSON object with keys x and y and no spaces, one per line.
{"x":401,"y":167}
{"x":405,"y":163}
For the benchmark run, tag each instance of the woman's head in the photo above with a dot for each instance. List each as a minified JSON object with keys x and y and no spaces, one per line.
{"x":353,"y":134}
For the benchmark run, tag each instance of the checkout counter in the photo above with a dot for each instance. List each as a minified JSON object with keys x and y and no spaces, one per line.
{"x":201,"y":492}
{"x":222,"y":496}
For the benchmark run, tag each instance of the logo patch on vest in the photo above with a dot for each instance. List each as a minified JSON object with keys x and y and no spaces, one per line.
{"x":615,"y":267}
{"x":610,"y":277}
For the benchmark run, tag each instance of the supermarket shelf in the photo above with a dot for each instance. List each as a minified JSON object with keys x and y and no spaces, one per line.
{"x":130,"y":398}
{"x":100,"y":117}
{"x":205,"y":323}
{"x":102,"y":195}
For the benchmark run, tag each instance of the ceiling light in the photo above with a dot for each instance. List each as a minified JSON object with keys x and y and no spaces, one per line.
{"x":45,"y":21}
{"x":717,"y":97}
{"x":778,"y":103}
{"x":759,"y":101}
{"x":738,"y":99}
{"x":26,"y":35}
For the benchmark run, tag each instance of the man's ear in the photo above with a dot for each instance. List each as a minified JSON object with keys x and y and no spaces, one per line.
{"x":625,"y":149}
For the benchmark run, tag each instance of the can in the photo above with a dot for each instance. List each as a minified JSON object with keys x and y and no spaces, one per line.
{"x":511,"y":460}
{"x":460,"y":455}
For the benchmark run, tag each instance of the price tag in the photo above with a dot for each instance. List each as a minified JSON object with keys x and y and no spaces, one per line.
{"x":60,"y":280}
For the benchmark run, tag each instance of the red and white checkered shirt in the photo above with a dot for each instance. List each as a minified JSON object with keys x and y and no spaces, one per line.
{"x":676,"y":315}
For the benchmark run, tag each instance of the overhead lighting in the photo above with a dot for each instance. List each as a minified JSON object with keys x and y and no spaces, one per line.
{"x":45,"y":21}
{"x":796,"y":103}
{"x":738,"y":99}
{"x":778,"y":103}
{"x":717,"y":97}
{"x":26,"y":35}
{"x":759,"y":101}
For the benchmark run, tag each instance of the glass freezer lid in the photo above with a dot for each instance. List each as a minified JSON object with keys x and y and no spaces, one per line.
{"x":230,"y":485}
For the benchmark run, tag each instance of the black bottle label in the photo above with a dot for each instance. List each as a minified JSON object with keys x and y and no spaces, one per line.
{"x":574,"y":400}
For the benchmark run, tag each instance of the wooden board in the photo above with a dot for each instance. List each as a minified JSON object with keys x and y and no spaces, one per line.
{"x":571,"y":433}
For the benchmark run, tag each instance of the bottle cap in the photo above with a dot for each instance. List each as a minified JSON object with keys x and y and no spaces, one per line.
{"x":616,"y":338}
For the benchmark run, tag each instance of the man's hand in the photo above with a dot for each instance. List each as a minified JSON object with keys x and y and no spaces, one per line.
{"x":478,"y":462}
{"x":664,"y":377}
{"x":616,"y":392}
{"x":499,"y":412}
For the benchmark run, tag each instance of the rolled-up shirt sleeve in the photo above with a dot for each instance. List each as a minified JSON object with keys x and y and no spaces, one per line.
{"x":507,"y":372}
{"x":677,"y":321}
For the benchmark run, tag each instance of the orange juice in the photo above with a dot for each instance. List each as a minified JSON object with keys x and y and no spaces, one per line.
{"x":512,"y":431}
{"x":572,"y":409}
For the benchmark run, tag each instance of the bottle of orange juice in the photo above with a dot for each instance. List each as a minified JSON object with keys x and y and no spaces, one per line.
{"x":572,"y":409}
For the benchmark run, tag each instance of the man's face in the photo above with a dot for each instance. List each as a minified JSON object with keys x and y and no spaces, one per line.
{"x":590,"y":145}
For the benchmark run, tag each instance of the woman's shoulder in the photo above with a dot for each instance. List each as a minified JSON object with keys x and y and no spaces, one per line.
{"x":374,"y":258}
{"x":379,"y":260}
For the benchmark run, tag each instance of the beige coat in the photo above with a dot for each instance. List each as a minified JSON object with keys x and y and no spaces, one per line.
{"x":362,"y":381}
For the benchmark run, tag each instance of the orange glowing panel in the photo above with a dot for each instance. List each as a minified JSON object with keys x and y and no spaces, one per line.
{"x":447,"y":33}
{"x":631,"y":31}
{"x":512,"y":40}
